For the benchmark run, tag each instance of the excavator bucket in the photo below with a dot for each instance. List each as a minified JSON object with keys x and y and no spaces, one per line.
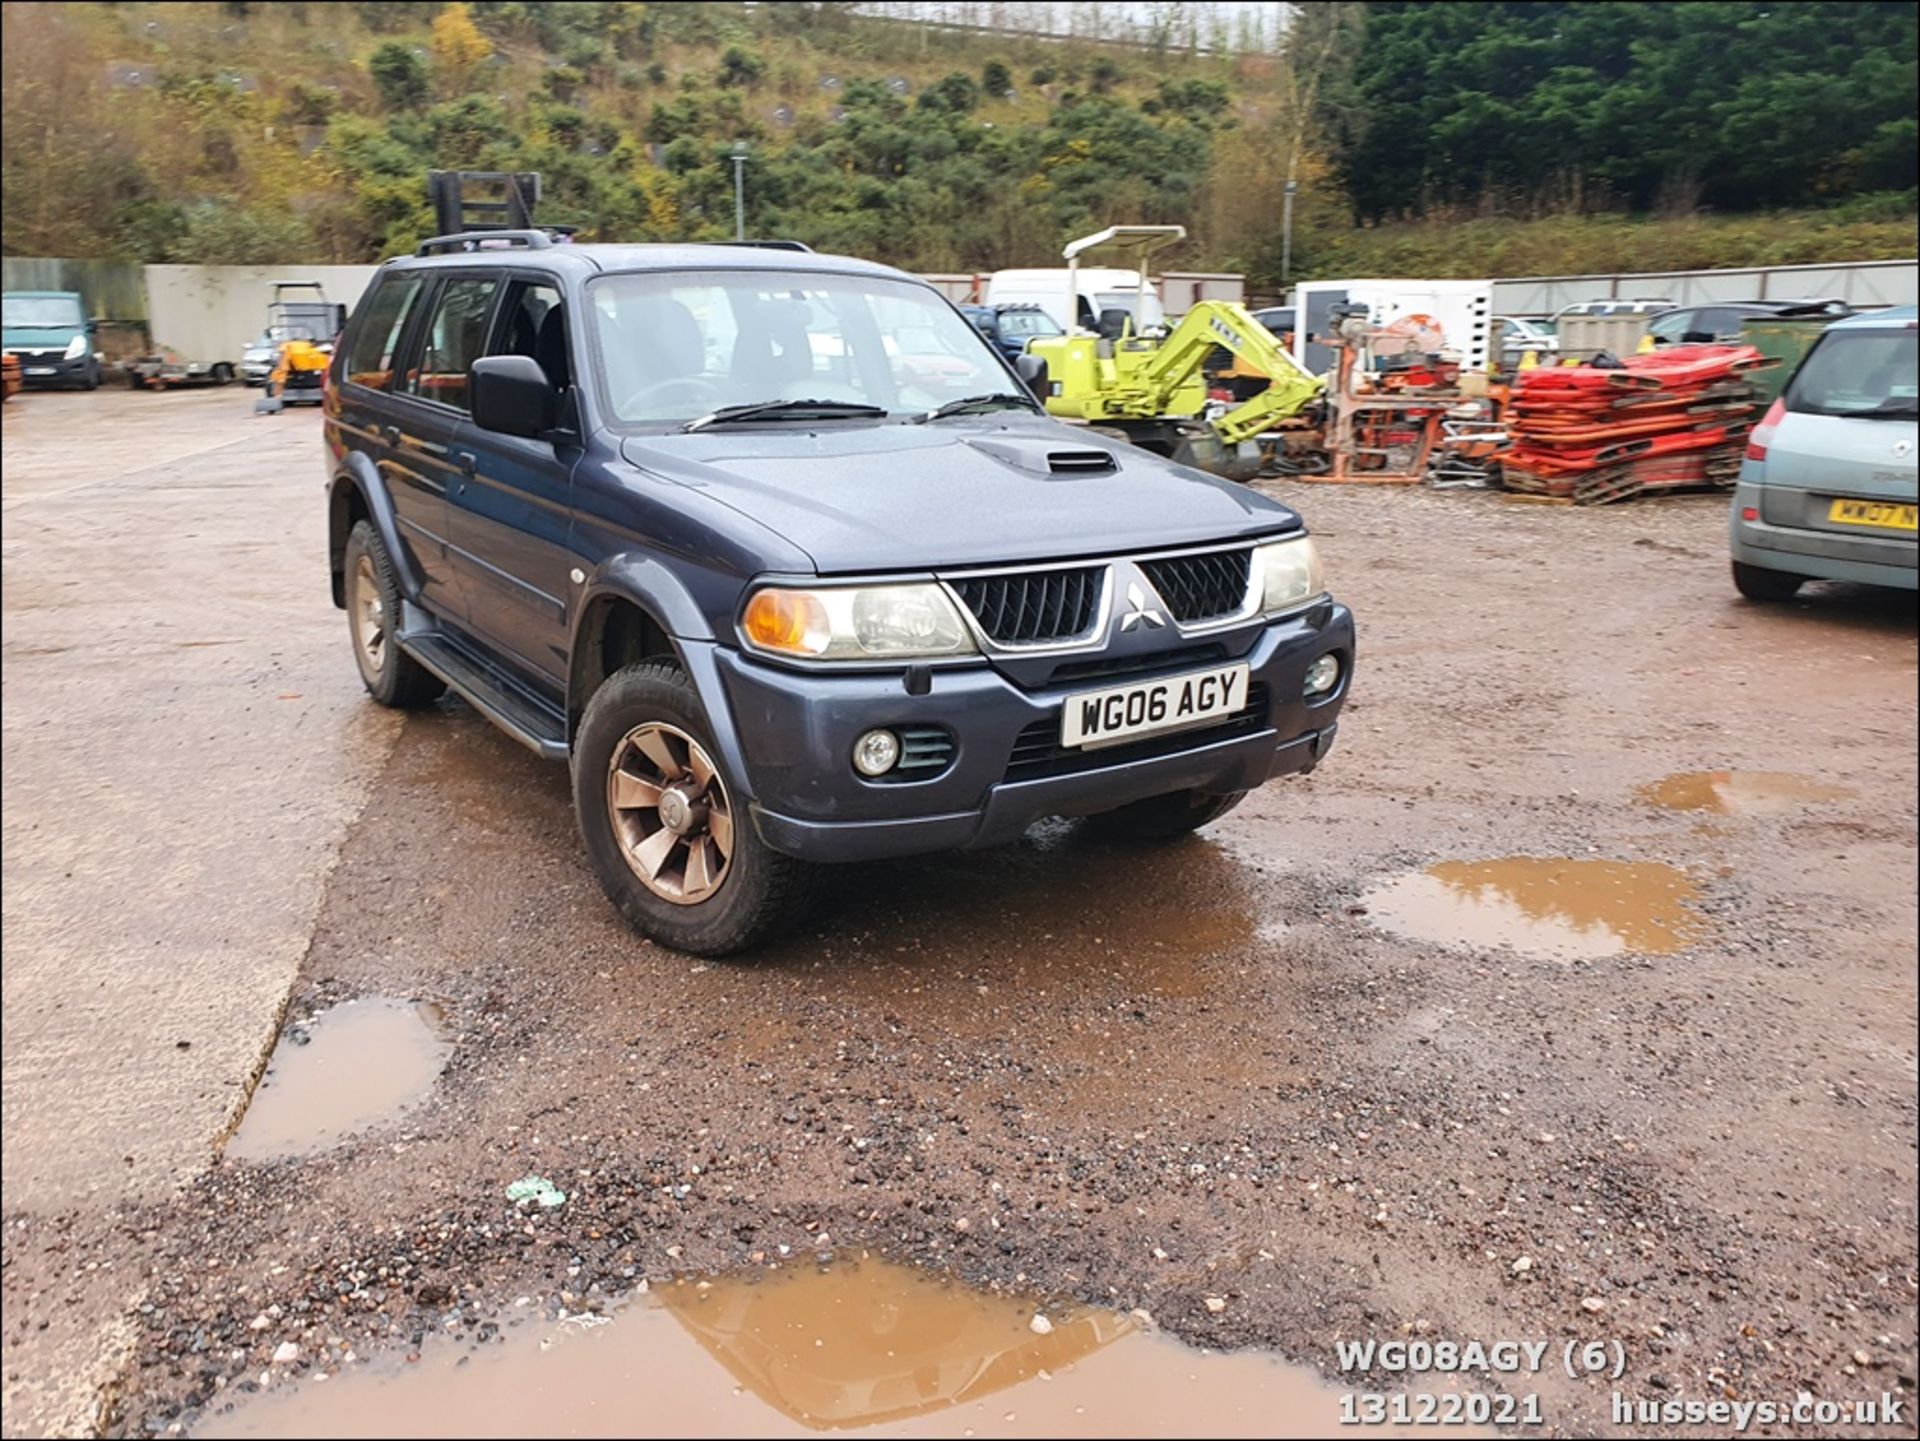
{"x":1209,"y":453}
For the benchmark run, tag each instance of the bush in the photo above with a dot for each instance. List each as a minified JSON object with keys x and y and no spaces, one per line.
{"x":995,"y":78}
{"x":955,"y":93}
{"x":1040,"y":75}
{"x":218,"y":233}
{"x":739,"y":67}
{"x":399,"y":75}
{"x":562,"y":82}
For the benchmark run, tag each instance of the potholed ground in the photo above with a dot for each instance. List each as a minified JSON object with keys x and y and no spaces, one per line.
{"x":1211,"y":1081}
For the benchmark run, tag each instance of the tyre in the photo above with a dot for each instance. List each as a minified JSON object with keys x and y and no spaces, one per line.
{"x":1164,"y":818}
{"x":223,"y":374}
{"x":391,"y":676}
{"x":1756,"y":583}
{"x":672,"y":847}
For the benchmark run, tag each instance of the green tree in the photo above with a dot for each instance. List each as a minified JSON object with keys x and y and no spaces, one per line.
{"x":995,"y":78}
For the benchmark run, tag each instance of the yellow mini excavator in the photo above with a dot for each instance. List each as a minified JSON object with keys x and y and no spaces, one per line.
{"x":1152,"y":386}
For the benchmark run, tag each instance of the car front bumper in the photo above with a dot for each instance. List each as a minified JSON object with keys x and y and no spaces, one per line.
{"x":54,"y":370}
{"x":796,"y":732}
{"x":1870,"y":558}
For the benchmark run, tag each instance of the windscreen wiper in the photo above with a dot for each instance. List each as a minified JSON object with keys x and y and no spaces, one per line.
{"x":968,"y":405}
{"x":1894,"y":407}
{"x":787,"y":410}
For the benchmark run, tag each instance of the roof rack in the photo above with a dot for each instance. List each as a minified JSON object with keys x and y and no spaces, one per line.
{"x":769,"y":245}
{"x":485,"y":240}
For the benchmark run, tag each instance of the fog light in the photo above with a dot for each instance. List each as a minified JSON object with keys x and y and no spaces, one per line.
{"x":1749,"y":512}
{"x":1323,"y":675}
{"x":876,"y":752}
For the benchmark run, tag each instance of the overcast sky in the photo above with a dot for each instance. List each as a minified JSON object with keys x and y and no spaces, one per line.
{"x":1256,"y":21}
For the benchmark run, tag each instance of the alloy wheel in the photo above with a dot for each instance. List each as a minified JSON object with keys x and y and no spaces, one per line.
{"x":369,"y":616}
{"x":671,"y":813}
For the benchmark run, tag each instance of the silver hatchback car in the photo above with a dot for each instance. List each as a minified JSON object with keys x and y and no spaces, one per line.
{"x":1828,"y":487}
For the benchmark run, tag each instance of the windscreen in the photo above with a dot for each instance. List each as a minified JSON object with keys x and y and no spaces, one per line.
{"x":1862,"y":373}
{"x":1024,"y":323}
{"x":677,"y":345}
{"x":43,"y":312}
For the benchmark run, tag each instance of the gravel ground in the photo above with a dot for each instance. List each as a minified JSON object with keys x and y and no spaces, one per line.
{"x":1149,"y":1077}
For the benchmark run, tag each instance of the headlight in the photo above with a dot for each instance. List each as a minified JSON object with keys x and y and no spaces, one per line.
{"x":76,"y":347}
{"x":1290,"y":574}
{"x":879,"y":622}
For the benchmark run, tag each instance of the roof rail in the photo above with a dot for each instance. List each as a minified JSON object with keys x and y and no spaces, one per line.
{"x":769,"y":245}
{"x":485,"y":240}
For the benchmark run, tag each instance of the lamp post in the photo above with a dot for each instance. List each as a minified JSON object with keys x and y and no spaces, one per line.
{"x":1286,"y":236}
{"x":739,"y":190}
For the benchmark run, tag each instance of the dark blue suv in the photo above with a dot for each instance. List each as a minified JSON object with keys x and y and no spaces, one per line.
{"x":789,"y":565}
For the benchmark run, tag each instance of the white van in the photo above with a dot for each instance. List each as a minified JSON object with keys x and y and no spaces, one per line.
{"x":1098,"y":289}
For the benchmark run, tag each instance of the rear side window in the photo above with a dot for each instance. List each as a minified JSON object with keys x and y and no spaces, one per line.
{"x":1866,"y":373}
{"x":377,"y":335}
{"x":456,"y":337}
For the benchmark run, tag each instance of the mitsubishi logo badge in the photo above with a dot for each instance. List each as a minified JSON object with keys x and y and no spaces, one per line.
{"x":1139,"y":613}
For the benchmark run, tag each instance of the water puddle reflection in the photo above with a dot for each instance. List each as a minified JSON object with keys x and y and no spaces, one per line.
{"x":1740,"y":793}
{"x":1543,"y":906}
{"x":867,"y":1345}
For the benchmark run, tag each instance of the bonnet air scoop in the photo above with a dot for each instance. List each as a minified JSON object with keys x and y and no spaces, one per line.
{"x":1042,"y":457}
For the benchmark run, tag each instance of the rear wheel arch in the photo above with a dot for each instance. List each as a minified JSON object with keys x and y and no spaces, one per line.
{"x":346,"y":507}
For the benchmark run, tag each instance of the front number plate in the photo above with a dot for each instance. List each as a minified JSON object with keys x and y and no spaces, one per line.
{"x":1101,"y":717}
{"x":1891,"y":514}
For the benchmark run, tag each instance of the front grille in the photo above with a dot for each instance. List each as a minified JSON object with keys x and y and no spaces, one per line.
{"x":1037,"y":752}
{"x":1037,"y":607}
{"x":1119,"y":667}
{"x":1201,"y":587}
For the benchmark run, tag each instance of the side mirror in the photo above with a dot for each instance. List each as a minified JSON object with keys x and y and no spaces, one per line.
{"x":1032,"y":370}
{"x":511,"y":395}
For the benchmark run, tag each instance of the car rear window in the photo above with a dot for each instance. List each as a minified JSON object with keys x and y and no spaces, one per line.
{"x":375,"y":337}
{"x":1861,"y":373}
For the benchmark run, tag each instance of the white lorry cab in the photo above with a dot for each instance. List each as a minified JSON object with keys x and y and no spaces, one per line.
{"x":1076,"y":295}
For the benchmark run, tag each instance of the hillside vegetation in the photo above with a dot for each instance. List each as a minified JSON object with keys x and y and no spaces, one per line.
{"x":1456,"y":139}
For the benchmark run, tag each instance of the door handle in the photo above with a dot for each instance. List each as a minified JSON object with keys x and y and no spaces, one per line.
{"x":466,"y":460}
{"x":390,"y":434}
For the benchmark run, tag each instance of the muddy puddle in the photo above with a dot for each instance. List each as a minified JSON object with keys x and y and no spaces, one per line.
{"x":857,"y":1346}
{"x":1740,"y":793}
{"x":1547,"y":906}
{"x":352,"y":1066}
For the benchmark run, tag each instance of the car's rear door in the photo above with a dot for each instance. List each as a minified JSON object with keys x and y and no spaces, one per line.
{"x":430,"y":405}
{"x":377,"y":420}
{"x":512,"y":512}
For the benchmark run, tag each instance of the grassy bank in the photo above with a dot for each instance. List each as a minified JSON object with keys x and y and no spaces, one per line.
{"x":1601,"y":244}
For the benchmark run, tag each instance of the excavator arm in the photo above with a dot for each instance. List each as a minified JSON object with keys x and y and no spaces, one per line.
{"x":1211,"y":323}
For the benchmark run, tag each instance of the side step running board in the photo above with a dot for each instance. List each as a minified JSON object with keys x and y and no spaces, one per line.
{"x":527,"y":718}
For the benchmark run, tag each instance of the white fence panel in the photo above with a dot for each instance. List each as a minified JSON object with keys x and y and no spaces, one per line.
{"x":210,"y":312}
